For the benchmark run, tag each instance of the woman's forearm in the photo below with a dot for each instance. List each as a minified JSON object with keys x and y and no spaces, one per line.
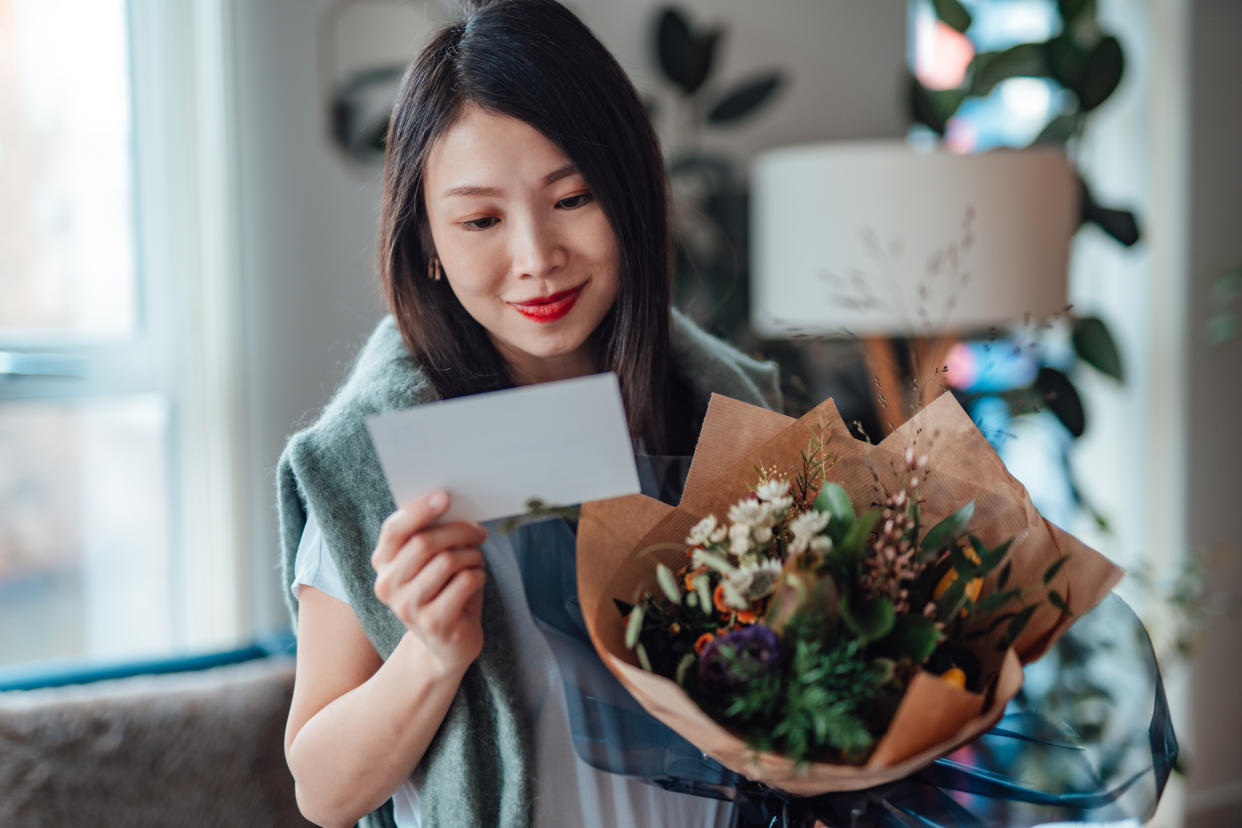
{"x":350,"y":756}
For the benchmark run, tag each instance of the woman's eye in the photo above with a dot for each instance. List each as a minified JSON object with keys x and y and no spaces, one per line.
{"x":480,"y":223}
{"x":573,"y":202}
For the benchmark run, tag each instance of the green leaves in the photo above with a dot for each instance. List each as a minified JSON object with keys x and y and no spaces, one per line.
{"x":686,"y":58}
{"x":834,"y":500}
{"x":1102,"y":73}
{"x":947,"y":530}
{"x":1061,"y":397}
{"x":1095,"y":345}
{"x":933,"y":107}
{"x":870,"y":620}
{"x":1022,"y":60}
{"x":913,"y":637}
{"x":953,"y":13}
{"x":744,"y":98}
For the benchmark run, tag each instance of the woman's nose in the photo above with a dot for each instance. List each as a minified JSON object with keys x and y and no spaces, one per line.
{"x":538,"y":251}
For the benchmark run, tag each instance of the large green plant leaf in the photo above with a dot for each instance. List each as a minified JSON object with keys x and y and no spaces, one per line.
{"x":953,"y":13}
{"x":744,"y":99}
{"x":1094,"y":344}
{"x":1067,"y":61}
{"x":1120,"y":224}
{"x":869,"y":620}
{"x":1061,"y":397}
{"x":933,"y":107}
{"x":1058,"y":131}
{"x":990,"y":68}
{"x":1102,"y":74}
{"x":673,"y":48}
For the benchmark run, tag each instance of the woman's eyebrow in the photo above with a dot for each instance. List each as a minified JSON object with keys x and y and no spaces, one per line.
{"x":473,"y":190}
{"x":558,"y":174}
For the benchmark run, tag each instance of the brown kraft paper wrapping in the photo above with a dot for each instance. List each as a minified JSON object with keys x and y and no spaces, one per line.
{"x":620,"y":540}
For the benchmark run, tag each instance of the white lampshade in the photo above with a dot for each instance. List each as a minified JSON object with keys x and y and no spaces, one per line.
{"x":882,"y":239}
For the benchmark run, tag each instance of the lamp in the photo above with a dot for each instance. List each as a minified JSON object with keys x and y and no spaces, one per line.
{"x":880,"y":240}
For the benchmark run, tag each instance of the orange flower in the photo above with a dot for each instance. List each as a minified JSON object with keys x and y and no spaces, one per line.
{"x":972,"y":587}
{"x":718,"y":598}
{"x":955,"y":677}
{"x":747,"y":616}
{"x":704,"y":640}
{"x":691,"y":575}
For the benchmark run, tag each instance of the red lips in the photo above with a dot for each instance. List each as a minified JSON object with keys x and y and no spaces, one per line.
{"x":549,"y":308}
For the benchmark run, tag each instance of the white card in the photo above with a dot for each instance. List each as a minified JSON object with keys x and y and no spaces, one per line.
{"x":561,"y":442}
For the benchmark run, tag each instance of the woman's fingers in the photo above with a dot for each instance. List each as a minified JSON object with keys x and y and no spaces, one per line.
{"x":397,"y":527}
{"x":435,"y":576}
{"x":447,"y":608}
{"x":425,"y":545}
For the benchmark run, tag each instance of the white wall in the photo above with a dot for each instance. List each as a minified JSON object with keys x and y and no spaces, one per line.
{"x":1213,"y":401}
{"x":307,"y":220}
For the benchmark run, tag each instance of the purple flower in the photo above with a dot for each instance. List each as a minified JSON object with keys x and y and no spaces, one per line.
{"x":738,"y":657}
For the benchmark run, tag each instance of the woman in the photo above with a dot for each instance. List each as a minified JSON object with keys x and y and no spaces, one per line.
{"x":524,"y":238}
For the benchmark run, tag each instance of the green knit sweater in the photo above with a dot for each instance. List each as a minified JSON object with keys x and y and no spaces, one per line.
{"x":476,"y":770}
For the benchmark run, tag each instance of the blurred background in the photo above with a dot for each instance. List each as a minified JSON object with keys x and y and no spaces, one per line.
{"x":188,"y":202}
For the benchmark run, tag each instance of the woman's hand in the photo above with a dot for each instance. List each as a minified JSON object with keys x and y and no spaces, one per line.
{"x":431,"y":577}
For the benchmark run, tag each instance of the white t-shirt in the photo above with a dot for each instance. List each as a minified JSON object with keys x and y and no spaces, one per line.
{"x":567,"y":790}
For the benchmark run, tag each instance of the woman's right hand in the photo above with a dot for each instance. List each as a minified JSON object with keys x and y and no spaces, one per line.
{"x":431,"y":577}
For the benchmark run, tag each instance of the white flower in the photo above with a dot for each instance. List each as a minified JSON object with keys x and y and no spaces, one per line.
{"x":780,"y":505}
{"x":805,"y":527}
{"x":739,"y":537}
{"x":763,"y":534}
{"x":702,"y":531}
{"x":820,"y":543}
{"x":749,"y":512}
{"x":720,"y":534}
{"x":772,"y":490}
{"x":756,"y":580}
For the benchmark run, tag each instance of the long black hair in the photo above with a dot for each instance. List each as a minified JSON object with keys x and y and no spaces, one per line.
{"x":535,"y":61}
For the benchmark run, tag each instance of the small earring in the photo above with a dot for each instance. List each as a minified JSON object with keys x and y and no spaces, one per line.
{"x":434,"y":272}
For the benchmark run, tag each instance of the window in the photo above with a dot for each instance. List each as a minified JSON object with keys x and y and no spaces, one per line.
{"x":98,"y":273}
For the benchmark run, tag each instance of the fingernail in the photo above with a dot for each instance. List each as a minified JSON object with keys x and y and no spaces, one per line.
{"x":438,"y":500}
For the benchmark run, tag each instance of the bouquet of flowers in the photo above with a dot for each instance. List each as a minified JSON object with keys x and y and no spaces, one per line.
{"x":823,"y":614}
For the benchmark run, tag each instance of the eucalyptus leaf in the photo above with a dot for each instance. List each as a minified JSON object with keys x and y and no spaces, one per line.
{"x":1059,"y":602}
{"x":1016,"y":626}
{"x":834,"y":500}
{"x":643,"y":661}
{"x":913,"y":637}
{"x":633,"y":627}
{"x":950,"y":602}
{"x":848,"y":552}
{"x":668,"y":583}
{"x":1095,"y":345}
{"x":871,"y":620}
{"x":1054,"y":568}
{"x":703,"y":589}
{"x":953,"y":13}
{"x":742,"y":100}
{"x":989,"y":559}
{"x":996,"y":600}
{"x":947,"y":530}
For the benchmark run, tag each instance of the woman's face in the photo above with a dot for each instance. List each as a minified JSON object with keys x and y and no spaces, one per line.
{"x":524,"y":245}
